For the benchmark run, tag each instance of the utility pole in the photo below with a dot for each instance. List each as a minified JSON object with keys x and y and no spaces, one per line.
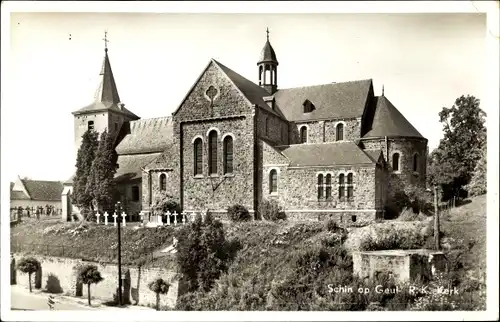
{"x":436,"y":219}
{"x":118,"y":209}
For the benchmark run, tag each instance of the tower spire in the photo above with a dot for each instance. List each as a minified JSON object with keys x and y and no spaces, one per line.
{"x":268,"y":67}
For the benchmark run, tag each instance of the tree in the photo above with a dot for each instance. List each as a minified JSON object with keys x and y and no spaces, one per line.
{"x":477,"y":185}
{"x":202,"y":252}
{"x":451,"y":165}
{"x":100,"y":184}
{"x":89,"y":274}
{"x":84,"y":159}
{"x":29,"y":265}
{"x":159,"y":286}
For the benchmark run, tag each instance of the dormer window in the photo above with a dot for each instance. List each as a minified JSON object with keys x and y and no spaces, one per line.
{"x":308,"y":106}
{"x":269,"y":101}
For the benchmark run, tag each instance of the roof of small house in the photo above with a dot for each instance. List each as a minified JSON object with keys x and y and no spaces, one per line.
{"x":388,"y":121}
{"x":130,"y":166}
{"x":325,"y":154}
{"x":40,"y":190}
{"x":147,"y":136}
{"x":18,"y":195}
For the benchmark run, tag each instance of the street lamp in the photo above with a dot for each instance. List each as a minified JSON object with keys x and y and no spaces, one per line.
{"x":117,"y":210}
{"x":436,"y":218}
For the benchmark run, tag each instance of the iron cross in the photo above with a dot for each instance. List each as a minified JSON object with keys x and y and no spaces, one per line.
{"x":105,"y":40}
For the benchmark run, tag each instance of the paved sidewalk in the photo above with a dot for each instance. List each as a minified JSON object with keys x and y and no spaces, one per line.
{"x":75,"y":302}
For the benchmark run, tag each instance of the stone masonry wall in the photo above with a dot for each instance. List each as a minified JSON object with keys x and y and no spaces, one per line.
{"x":325,"y":131}
{"x":298,"y":192}
{"x":214,"y":102}
{"x":64,"y":270}
{"x":277,"y":129}
{"x":219,"y":191}
{"x":406,"y":148}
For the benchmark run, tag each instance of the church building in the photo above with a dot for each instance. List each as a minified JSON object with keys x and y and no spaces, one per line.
{"x":325,"y":151}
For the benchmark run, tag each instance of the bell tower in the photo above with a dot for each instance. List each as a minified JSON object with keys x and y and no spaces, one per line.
{"x":268,"y":68}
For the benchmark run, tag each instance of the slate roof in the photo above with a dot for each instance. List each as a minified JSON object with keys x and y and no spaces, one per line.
{"x":388,"y":121}
{"x":147,"y":136}
{"x":267,"y":54}
{"x":336,"y":100}
{"x":373,"y":154}
{"x":165,"y":160}
{"x":18,"y":195}
{"x":253,"y":92}
{"x":106,"y":97}
{"x":130,"y":166}
{"x":325,"y":154}
{"x":42,"y":190}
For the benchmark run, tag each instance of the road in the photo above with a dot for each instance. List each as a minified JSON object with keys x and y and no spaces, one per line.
{"x":21,"y":300}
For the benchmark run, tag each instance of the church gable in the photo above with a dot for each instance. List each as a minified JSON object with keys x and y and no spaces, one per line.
{"x":213,"y":95}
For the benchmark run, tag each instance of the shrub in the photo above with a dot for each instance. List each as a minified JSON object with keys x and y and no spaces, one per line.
{"x":238,"y":213}
{"x":332,"y":226}
{"x":53,"y":284}
{"x":391,"y":239}
{"x":271,"y":210}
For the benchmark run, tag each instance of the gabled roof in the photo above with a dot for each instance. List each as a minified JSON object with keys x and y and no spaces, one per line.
{"x":325,"y":154}
{"x":253,"y":92}
{"x":167,"y":159}
{"x":373,"y":154}
{"x":106,"y":97}
{"x":40,"y":190}
{"x":147,"y":136}
{"x":388,"y":121}
{"x":336,"y":100}
{"x":130,"y":166}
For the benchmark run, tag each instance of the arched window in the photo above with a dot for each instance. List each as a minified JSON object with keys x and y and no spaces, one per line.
{"x":135,"y":193}
{"x":350,"y":187}
{"x":273,"y":181}
{"x":163,"y":182}
{"x":341,"y":186}
{"x":320,"y":186}
{"x":198,"y":157}
{"x":90,"y":125}
{"x":212,"y":152}
{"x":303,"y":134}
{"x":228,"y":154}
{"x":415,"y":162}
{"x":328,"y":186}
{"x":395,"y":162}
{"x":340,"y":132}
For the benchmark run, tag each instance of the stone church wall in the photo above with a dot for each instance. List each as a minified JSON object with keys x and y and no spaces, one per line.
{"x":298,"y":193}
{"x":277,"y":129}
{"x":325,"y":131}
{"x":406,"y":147}
{"x":219,"y":191}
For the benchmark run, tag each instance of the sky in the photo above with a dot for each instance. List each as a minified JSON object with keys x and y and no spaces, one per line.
{"x":424,"y":62}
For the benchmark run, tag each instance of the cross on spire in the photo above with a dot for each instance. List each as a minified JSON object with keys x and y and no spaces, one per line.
{"x":105,"y":41}
{"x":267,"y":31}
{"x":382,"y":90}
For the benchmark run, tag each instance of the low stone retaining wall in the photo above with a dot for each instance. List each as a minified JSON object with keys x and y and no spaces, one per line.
{"x":404,"y":265}
{"x":61,"y":274}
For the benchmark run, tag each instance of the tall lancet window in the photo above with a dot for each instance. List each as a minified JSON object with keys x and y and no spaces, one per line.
{"x":198,"y":157}
{"x":340,"y":132}
{"x":212,"y":152}
{"x":228,"y":154}
{"x":303,"y":134}
{"x":163,"y":182}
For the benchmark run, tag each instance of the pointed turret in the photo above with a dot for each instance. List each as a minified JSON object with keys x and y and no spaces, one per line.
{"x":268,"y":68}
{"x":107,"y":93}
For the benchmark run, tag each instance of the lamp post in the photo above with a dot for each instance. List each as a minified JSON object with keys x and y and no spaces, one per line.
{"x":436,"y":218}
{"x":118,"y":209}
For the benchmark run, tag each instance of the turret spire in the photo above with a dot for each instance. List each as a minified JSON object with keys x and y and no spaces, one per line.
{"x":268,"y":67}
